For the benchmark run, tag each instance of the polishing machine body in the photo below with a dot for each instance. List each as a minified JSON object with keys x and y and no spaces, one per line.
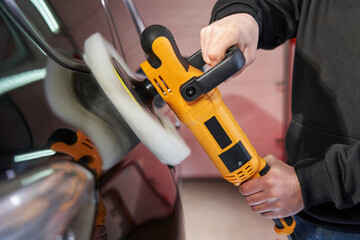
{"x":196,"y":100}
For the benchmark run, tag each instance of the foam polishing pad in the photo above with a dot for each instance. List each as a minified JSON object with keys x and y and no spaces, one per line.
{"x":156,"y":131}
{"x":77,"y":99}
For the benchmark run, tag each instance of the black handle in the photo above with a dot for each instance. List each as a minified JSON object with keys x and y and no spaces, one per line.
{"x":232,"y":63}
{"x":196,"y":60}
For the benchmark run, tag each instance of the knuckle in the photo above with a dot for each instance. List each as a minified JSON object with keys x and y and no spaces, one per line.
{"x":254,"y":209}
{"x":269,"y":183}
{"x":203,"y":31}
{"x":282,"y":213}
{"x":242,"y":189}
{"x":267,"y":214}
{"x":269,"y":157}
{"x":251,"y":57}
{"x":277,"y":206}
{"x":250,"y":201}
{"x":214,"y":54}
{"x":216,"y":28}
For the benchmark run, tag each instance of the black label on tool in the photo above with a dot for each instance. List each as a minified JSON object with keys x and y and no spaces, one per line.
{"x":218,"y":132}
{"x":235,"y":157}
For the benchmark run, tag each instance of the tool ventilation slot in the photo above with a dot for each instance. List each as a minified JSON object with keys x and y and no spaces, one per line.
{"x":162,"y":80}
{"x":87,"y":145}
{"x":246,"y":173}
{"x":231,"y":178}
{"x":249,"y":170}
{"x":162,"y":85}
{"x":242,"y":176}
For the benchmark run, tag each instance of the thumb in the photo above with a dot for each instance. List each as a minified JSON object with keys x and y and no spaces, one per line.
{"x":270,"y":159}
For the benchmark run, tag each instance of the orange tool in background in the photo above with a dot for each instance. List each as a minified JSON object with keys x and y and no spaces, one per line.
{"x":78,"y":146}
{"x":196,"y":100}
{"x":83,"y":151}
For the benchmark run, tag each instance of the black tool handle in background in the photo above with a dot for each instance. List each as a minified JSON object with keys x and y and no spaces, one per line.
{"x":195,"y":87}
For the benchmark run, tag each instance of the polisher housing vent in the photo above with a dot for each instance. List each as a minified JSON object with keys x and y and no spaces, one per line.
{"x":162,"y":85}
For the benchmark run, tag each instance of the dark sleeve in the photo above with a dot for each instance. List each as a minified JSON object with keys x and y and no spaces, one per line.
{"x":334,"y":179}
{"x":277,"y":19}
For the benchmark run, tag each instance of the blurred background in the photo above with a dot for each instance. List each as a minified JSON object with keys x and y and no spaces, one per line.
{"x":144,"y":199}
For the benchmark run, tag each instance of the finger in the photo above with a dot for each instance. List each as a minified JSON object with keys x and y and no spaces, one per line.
{"x":251,"y":187}
{"x":203,"y":43}
{"x":215,"y":52}
{"x":256,"y":199}
{"x":275,"y":214}
{"x":202,"y":39}
{"x":271,"y":215}
{"x":217,"y":44}
{"x":265,"y":207}
{"x":249,"y":55}
{"x":270,"y":159}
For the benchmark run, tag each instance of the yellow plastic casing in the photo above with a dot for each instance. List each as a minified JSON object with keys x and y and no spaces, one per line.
{"x":167,"y":79}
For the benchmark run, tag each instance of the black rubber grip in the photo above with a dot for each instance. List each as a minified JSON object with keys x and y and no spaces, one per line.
{"x":263,"y":171}
{"x":288,"y":220}
{"x":196,"y":60}
{"x":278,"y":223}
{"x":195,"y":87}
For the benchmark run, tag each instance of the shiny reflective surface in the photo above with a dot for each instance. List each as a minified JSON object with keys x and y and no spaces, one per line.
{"x":54,"y":200}
{"x":39,"y":21}
{"x":137,"y":196}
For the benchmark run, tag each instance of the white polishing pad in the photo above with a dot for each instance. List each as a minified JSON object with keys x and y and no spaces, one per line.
{"x":157,"y":134}
{"x":112,"y":136}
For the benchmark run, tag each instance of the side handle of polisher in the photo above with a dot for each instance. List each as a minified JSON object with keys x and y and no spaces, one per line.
{"x":233,"y":61}
{"x":195,"y":87}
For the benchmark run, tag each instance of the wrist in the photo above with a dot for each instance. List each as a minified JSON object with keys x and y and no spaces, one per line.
{"x":223,"y":9}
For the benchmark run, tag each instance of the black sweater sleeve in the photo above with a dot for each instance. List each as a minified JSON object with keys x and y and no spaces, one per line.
{"x":332,"y":179}
{"x":324,"y":152}
{"x":277,"y":19}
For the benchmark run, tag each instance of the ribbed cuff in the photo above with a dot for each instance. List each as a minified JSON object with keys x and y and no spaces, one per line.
{"x":225,"y":8}
{"x":315,"y":182}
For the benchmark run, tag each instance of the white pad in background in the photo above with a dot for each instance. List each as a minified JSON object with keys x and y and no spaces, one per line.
{"x":160,"y":137}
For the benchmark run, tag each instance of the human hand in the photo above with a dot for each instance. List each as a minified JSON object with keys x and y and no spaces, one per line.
{"x":238,"y":29}
{"x":277,"y":194}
